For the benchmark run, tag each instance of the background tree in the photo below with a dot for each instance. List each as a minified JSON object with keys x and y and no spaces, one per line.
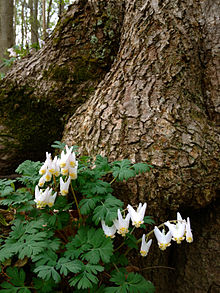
{"x":144,"y":73}
{"x":6,"y":27}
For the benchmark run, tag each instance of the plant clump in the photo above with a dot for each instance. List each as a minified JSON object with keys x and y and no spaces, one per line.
{"x":68,"y":232}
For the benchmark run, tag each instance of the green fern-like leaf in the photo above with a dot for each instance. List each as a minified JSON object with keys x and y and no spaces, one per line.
{"x":142,"y":167}
{"x":107,"y":211}
{"x":47,"y":272}
{"x":87,"y":278}
{"x":65,"y":265}
{"x":17,"y":279}
{"x":130,"y":283}
{"x":122,"y":170}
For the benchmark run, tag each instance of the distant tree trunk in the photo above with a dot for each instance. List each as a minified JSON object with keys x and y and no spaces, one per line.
{"x":44,"y":18}
{"x":136,"y":79}
{"x":34,"y":21}
{"x":61,"y":7}
{"x":6,"y":28}
{"x":22,"y":24}
{"x":48,"y":13}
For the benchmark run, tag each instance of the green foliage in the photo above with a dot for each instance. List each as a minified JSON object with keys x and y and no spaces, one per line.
{"x":123,"y":170}
{"x":64,"y":244}
{"x":130,"y":283}
{"x":58,"y":145}
{"x":30,"y":172}
{"x":17,"y":282}
{"x":107,"y":211}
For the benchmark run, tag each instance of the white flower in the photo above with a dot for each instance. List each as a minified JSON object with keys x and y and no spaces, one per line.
{"x":47,"y":176}
{"x":145,"y":246}
{"x":68,"y":163}
{"x":189,"y":236}
{"x":162,"y":238}
{"x":177,"y":230}
{"x":137,"y":216}
{"x":73,"y":173}
{"x":41,"y":181}
{"x":122,"y":224}
{"x":109,"y":231}
{"x":56,"y":161}
{"x":64,"y":186}
{"x":47,"y":162}
{"x":72,"y":160}
{"x":43,"y":198}
{"x":64,"y":160}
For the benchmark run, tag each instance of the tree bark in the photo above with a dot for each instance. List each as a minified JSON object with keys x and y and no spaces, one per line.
{"x":51,"y":84}
{"x":6,"y":28}
{"x":151,"y":68}
{"x":159,"y":104}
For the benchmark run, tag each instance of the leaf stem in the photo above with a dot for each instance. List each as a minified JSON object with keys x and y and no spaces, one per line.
{"x":114,"y":179}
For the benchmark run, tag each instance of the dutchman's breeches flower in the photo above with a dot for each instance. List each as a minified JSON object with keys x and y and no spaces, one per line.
{"x":137,"y":217}
{"x":177,"y":230}
{"x":145,"y":246}
{"x":109,"y":231}
{"x":162,"y":238}
{"x":122,"y":224}
{"x":189,"y":236}
{"x":44,"y":198}
{"x":64,"y":186}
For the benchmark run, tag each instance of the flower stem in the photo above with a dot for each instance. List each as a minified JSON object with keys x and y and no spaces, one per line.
{"x":114,"y":179}
{"x":76,"y":202}
{"x":151,"y":232}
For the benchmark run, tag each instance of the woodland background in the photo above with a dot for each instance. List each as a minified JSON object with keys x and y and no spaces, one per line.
{"x":125,"y":79}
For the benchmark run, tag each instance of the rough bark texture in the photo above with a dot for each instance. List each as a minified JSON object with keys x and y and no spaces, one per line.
{"x":159,"y":104}
{"x":146,"y":74}
{"x":6,"y":29}
{"x":41,"y":90}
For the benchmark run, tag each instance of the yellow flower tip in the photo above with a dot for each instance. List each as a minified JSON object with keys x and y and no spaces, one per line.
{"x":163,"y":246}
{"x":64,"y":192}
{"x":41,"y":184}
{"x":57,"y":173}
{"x":47,"y":178}
{"x":143,"y":252}
{"x":189,"y":239}
{"x":72,"y":164}
{"x":138,"y":224}
{"x":42,"y":172}
{"x":64,"y":171}
{"x":52,"y":171}
{"x":179,"y":240}
{"x":50,"y":204}
{"x":110,"y":236}
{"x":62,"y":165}
{"x":123,"y":231}
{"x":72,"y":175}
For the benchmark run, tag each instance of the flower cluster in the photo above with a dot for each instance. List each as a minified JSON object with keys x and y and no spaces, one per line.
{"x":64,"y":167}
{"x":178,"y":231}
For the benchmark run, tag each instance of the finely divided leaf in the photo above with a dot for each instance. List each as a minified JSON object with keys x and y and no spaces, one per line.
{"x":107,"y":211}
{"x":142,"y":168}
{"x":130,"y":282}
{"x":47,"y":272}
{"x":88,"y":204}
{"x":65,"y":265}
{"x":123,"y":170}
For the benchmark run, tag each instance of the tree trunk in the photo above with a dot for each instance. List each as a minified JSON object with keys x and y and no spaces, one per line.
{"x":44,"y":18}
{"x":6,"y":28}
{"x":145,"y":75}
{"x":34,"y":21}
